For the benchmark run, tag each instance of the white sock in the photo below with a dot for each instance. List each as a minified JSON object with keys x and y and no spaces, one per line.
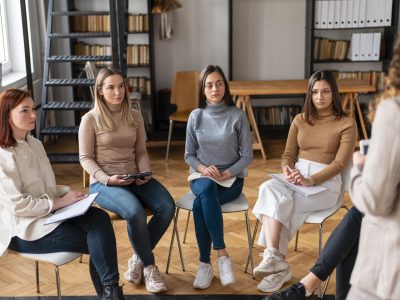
{"x":274,"y":251}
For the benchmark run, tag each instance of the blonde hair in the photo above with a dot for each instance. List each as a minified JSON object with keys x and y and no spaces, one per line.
{"x":102,"y":113}
{"x":392,"y":82}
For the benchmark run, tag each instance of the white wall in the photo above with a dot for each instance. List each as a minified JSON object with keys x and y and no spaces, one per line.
{"x":200,"y":38}
{"x":268,"y":39}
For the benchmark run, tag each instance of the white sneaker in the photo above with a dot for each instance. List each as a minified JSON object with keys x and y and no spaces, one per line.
{"x":204,"y":276}
{"x":226,"y":274}
{"x":274,"y":282}
{"x":271,"y":263}
{"x":153,"y":280}
{"x":135,"y":270}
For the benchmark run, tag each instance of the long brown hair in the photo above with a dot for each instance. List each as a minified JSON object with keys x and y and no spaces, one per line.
{"x":9,"y":99}
{"x":310,"y":113}
{"x":207,"y":70}
{"x":392,"y":81}
{"x":102,"y":113}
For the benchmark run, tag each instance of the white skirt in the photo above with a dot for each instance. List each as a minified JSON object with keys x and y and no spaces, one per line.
{"x":290,"y":208}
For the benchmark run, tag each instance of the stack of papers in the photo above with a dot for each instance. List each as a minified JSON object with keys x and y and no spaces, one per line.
{"x":226,"y":183}
{"x":306,"y":191}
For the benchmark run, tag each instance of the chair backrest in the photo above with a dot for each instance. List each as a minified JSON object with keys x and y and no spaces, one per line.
{"x":91,"y":73}
{"x":185,"y":90}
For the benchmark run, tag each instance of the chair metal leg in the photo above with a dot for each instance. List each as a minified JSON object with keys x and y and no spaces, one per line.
{"x":81,"y":259}
{"x":250,"y":242}
{"x":37,"y":276}
{"x":319,"y":253}
{"x":171,"y":124}
{"x":187,"y":225}
{"x":58,"y":282}
{"x":297,"y":239}
{"x":175,"y":233}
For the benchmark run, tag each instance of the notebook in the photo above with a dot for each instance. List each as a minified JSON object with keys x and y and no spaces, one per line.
{"x":226,"y":183}
{"x":76,"y":209}
{"x":306,"y":191}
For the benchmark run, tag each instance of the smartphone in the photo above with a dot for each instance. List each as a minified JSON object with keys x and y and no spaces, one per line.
{"x":364,"y":146}
{"x":137,"y":175}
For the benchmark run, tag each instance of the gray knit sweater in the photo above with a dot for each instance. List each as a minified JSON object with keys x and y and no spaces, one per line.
{"x":219,"y":135}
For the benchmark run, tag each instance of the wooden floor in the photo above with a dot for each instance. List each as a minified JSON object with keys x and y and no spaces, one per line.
{"x":17,"y":275}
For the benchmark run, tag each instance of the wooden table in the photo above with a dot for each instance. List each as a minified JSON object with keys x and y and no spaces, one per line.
{"x":242,"y":90}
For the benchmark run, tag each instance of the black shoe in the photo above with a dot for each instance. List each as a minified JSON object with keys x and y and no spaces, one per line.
{"x":295,"y":292}
{"x":112,"y":293}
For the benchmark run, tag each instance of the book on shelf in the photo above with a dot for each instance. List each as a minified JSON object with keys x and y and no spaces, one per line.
{"x":306,"y":191}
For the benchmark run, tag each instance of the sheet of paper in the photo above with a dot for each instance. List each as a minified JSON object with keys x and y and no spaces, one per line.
{"x":226,"y":183}
{"x":76,"y":209}
{"x":304,"y":190}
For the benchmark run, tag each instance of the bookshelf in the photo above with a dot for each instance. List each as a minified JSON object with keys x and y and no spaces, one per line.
{"x":352,"y":38}
{"x":138,"y":54}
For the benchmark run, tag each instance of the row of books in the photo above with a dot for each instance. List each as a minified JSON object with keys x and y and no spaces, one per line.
{"x":140,"y":84}
{"x":101,"y":23}
{"x":137,"y":55}
{"x":362,"y":47}
{"x":282,"y":115}
{"x":374,"y":78}
{"x":331,"y":14}
{"x":325,"y":49}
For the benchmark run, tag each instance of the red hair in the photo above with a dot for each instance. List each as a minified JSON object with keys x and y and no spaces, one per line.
{"x":9,"y":99}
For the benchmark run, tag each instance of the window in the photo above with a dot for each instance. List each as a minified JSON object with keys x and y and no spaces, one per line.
{"x":4,"y":43}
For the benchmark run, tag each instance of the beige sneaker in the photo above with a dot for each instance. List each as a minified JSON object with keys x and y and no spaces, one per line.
{"x":226,"y":274}
{"x":135,"y":270}
{"x":274,"y":282}
{"x":271,"y":263}
{"x":153,"y":280}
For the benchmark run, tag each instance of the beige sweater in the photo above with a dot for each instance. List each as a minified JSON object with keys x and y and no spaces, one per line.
{"x":121,"y":151}
{"x":329,"y":141}
{"x":27,"y":192}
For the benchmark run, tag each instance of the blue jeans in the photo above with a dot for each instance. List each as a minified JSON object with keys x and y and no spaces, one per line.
{"x":91,"y":233}
{"x":207,"y":214}
{"x":130,"y":203}
{"x":340,"y":252}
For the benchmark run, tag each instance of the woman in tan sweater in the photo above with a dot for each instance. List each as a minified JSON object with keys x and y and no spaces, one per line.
{"x":319,"y":146}
{"x":112,"y":145}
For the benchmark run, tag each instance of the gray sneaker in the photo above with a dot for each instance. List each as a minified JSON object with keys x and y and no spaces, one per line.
{"x":153,"y":280}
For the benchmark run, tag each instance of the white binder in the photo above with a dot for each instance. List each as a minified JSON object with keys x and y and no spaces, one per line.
{"x":349,"y":15}
{"x":355,"y":47}
{"x":331,"y":13}
{"x":362,"y":12}
{"x":324,"y":14}
{"x":343,"y":13}
{"x":336,"y":17}
{"x":388,"y":13}
{"x":317,"y":14}
{"x":356,"y":12}
{"x":372,"y":12}
{"x":376,"y":47}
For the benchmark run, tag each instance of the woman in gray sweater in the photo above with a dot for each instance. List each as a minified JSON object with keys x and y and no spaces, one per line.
{"x":219,"y":149}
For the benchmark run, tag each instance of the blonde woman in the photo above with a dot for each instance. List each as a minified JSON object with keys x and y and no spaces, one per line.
{"x":112,"y":145}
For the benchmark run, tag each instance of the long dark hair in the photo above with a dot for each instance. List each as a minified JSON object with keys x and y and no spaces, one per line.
{"x":9,"y":100}
{"x":207,"y":70}
{"x":310,"y":113}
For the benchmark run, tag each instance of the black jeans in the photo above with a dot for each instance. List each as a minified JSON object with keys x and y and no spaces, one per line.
{"x":340,"y":252}
{"x":92,"y":234}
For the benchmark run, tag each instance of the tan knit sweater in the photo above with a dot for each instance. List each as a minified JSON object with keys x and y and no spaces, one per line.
{"x":121,"y":151}
{"x":329,"y":141}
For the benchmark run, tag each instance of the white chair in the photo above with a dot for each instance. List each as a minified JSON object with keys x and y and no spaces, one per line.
{"x":318,"y":218}
{"x":57,"y":259}
{"x":186,"y":202}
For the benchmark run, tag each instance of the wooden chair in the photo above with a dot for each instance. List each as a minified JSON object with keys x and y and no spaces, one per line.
{"x":57,"y":259}
{"x":186,"y":202}
{"x":185,"y":95}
